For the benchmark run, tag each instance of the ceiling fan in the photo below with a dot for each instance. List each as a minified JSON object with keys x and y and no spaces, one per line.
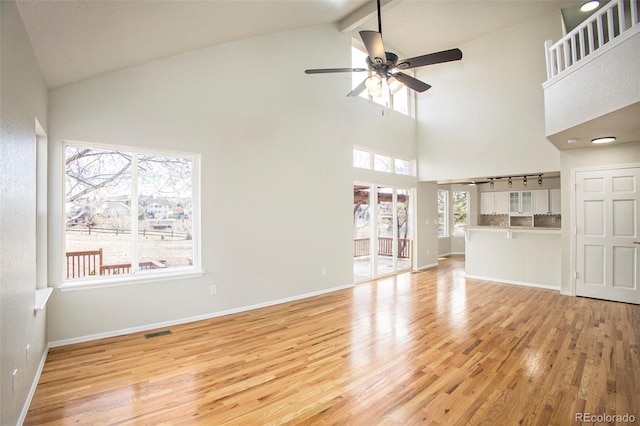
{"x":385,"y":65}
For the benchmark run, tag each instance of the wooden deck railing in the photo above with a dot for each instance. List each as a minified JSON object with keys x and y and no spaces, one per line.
{"x":89,"y":262}
{"x":125,"y":268}
{"x":84,"y":263}
{"x":385,"y":247}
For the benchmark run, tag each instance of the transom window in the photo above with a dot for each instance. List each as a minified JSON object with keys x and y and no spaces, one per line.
{"x":129,"y":211}
{"x":379,"y":162}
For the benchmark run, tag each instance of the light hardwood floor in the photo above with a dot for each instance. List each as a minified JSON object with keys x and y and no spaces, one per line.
{"x":424,"y":348}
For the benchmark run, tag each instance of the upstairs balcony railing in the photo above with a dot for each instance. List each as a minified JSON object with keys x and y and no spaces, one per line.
{"x":611,"y":21}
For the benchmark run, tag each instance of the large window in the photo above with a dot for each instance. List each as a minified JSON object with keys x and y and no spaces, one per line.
{"x":443,"y":213}
{"x":460,"y":205}
{"x":129,"y":212}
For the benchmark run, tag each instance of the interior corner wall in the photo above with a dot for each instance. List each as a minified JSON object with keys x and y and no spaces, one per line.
{"x":484,"y":115}
{"x":23,"y":100}
{"x":427,"y":225}
{"x":277,"y":173}
{"x":592,"y":157}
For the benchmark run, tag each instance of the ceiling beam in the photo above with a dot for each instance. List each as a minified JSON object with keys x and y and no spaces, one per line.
{"x":363,"y":14}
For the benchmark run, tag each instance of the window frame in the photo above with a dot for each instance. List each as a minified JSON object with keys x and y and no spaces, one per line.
{"x":392,"y":158}
{"x":453,"y":213}
{"x":445,"y":214}
{"x":140,"y":276}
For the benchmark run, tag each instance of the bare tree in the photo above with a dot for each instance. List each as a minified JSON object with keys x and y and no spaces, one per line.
{"x":93,"y":172}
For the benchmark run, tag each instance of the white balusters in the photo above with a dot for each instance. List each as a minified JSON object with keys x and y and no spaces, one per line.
{"x":590,"y":35}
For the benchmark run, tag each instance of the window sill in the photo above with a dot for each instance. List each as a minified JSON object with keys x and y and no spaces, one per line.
{"x":42,"y":296}
{"x":92,"y":283}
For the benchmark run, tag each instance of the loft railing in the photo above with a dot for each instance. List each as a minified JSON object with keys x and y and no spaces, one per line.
{"x":611,"y":21}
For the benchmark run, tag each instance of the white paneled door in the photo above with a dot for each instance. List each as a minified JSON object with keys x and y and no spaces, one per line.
{"x":607,"y":236}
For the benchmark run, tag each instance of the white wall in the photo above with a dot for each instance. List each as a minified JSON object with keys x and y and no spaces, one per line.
{"x":276,"y":149}
{"x":427,"y":225}
{"x":484,"y":115}
{"x":628,"y":153}
{"x":23,"y":100}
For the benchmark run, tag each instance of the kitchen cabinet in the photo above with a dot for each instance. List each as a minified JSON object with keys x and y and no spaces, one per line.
{"x":520,"y":202}
{"x":541,"y":201}
{"x":554,"y":201}
{"x":494,"y":202}
{"x":502,"y":202}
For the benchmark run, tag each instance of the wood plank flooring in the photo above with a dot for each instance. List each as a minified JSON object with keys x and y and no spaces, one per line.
{"x":425,"y":348}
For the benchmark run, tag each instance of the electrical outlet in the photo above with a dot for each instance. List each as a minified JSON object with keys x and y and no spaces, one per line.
{"x":213,"y":289}
{"x":323,"y":272}
{"x":26,"y":354}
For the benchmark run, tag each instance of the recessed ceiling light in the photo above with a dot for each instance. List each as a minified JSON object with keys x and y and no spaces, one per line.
{"x":589,"y":6}
{"x":606,"y":139}
{"x":572,"y":141}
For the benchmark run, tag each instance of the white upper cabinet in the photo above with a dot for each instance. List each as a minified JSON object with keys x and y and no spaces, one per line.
{"x":541,"y":201}
{"x":487,"y":202}
{"x":502,"y":202}
{"x":494,"y":202}
{"x":520,"y":202}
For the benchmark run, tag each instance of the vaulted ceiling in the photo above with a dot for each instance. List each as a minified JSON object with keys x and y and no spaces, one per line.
{"x":78,"y":39}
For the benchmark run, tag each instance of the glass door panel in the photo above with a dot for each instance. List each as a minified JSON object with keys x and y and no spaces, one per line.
{"x":404,"y":242}
{"x":362,"y":232}
{"x":385,"y":253}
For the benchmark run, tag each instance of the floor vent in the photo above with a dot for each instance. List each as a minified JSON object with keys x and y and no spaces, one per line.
{"x":157,"y":334}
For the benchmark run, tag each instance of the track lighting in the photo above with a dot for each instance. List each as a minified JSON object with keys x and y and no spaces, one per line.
{"x":491,"y":184}
{"x":539,"y":179}
{"x":510,"y":182}
{"x":524,"y":180}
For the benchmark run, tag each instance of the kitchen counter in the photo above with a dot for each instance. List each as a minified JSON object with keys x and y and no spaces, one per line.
{"x":514,"y":255}
{"x":512,"y":228}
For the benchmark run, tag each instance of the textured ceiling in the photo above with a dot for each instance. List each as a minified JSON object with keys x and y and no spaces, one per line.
{"x":77,"y":39}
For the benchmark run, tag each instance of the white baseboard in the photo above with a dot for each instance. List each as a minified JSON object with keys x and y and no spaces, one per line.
{"x":192,"y":319}
{"x":422,"y":268}
{"x":522,"y":283}
{"x":34,"y":385}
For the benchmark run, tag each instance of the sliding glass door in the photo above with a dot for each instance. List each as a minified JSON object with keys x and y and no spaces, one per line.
{"x":382,"y":231}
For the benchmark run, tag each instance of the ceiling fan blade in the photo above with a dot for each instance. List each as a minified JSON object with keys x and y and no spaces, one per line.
{"x":430,"y":59}
{"x":358,"y":89}
{"x":373,"y":42}
{"x":330,"y":70}
{"x":412,"y":83}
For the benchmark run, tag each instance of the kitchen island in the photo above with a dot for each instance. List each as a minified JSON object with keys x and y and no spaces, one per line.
{"x":526,"y":256}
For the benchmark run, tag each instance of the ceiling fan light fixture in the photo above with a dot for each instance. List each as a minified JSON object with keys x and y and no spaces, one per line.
{"x":374,"y":85}
{"x":394,"y":84}
{"x":590,"y":5}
